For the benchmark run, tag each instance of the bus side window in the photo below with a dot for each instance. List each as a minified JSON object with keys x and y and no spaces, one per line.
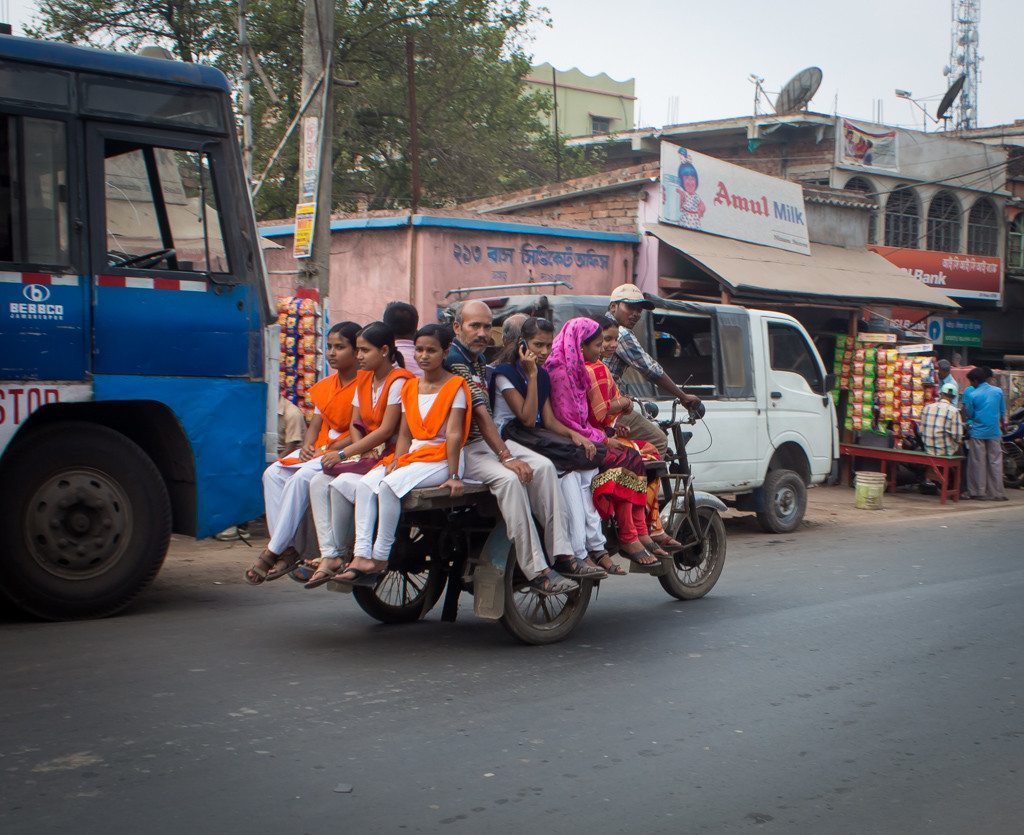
{"x":33,"y":192}
{"x":162,"y":210}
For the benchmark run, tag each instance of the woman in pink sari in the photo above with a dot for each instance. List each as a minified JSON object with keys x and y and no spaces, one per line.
{"x":620,"y":489}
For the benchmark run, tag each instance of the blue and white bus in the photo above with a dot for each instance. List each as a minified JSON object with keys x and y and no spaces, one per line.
{"x":134,"y":325}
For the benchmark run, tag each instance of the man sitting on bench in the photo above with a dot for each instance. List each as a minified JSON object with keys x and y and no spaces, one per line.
{"x":942,"y":429}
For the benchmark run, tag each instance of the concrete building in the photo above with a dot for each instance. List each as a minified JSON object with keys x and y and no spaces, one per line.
{"x":586,"y":104}
{"x":934,"y":204}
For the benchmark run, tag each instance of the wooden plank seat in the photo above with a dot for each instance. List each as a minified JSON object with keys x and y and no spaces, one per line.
{"x":435,"y":498}
{"x":949,"y":467}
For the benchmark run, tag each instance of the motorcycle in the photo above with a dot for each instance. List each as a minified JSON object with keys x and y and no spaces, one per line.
{"x":1013,"y":451}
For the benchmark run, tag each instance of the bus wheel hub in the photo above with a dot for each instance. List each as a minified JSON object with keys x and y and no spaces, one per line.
{"x":78,"y":524}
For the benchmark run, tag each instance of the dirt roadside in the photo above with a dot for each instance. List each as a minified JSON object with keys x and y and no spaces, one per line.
{"x":201,"y":563}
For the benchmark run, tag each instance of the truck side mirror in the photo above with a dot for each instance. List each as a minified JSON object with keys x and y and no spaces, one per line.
{"x":830,"y":381}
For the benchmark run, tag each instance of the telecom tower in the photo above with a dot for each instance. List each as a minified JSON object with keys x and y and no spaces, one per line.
{"x":964,"y":60}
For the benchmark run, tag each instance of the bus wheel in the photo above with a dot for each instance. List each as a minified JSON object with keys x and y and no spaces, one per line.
{"x":538,"y":620}
{"x":85,"y":522}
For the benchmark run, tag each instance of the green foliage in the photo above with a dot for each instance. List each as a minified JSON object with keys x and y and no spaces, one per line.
{"x":479,"y":131}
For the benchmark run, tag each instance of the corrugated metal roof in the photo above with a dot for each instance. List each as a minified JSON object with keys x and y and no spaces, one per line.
{"x":829,"y":272}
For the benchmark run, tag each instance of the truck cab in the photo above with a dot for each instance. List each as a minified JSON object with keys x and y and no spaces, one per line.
{"x":770,"y":431}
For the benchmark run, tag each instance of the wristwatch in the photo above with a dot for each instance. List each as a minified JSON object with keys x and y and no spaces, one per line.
{"x":341,"y":455}
{"x":454,"y":477}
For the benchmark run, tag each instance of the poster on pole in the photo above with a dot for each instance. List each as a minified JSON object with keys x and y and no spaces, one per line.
{"x":708,"y":195}
{"x":310,"y":157}
{"x":305,"y":217}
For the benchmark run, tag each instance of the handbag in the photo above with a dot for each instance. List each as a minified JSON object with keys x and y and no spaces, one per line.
{"x":563,"y":453}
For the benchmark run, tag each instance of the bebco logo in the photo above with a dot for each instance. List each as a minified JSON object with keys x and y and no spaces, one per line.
{"x":36,"y":292}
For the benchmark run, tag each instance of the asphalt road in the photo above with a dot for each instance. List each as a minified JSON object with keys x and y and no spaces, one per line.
{"x":859,"y":679}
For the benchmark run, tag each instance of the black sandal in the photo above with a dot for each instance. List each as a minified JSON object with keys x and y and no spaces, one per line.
{"x":290,"y":558}
{"x":367,"y":579}
{"x":639,"y":557}
{"x":579,"y":570}
{"x":550,"y":582}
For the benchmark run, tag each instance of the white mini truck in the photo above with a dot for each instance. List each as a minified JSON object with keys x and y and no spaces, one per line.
{"x":770,"y":431}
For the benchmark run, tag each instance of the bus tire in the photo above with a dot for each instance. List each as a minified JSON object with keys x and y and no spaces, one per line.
{"x":785,"y":502}
{"x":86,"y":526}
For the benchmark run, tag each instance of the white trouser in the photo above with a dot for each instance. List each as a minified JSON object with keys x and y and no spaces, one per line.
{"x":515,"y":500}
{"x":286,"y":497}
{"x":582,"y":521}
{"x":377,"y":505}
{"x":334,"y":516}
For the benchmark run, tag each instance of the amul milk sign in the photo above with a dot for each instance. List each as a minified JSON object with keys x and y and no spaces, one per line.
{"x":703,"y":193}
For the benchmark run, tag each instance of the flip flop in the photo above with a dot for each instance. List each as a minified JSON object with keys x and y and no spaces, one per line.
{"x":639,"y":555}
{"x":366,"y":579}
{"x":670,"y":545}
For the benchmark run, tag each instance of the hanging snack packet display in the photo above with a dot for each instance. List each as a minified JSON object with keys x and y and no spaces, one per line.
{"x":301,"y":322}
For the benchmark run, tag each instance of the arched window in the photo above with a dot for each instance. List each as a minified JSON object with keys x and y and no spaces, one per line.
{"x":944,"y":223}
{"x":1015,"y":245}
{"x":902,"y":219}
{"x":864,"y":187}
{"x":983,"y":229}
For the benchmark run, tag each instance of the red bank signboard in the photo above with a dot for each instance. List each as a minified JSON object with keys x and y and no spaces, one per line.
{"x":956,"y":275}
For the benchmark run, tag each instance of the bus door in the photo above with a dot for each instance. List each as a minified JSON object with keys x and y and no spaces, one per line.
{"x":44,"y":301}
{"x":170,"y":298}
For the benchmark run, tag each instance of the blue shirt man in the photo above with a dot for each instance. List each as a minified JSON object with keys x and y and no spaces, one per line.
{"x":986,"y":408}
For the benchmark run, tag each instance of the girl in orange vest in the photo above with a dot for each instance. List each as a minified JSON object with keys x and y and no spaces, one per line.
{"x":286,"y":482}
{"x":435,"y":425}
{"x":376,"y":415}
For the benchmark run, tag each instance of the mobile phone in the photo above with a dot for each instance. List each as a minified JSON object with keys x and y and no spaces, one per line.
{"x":522,"y":345}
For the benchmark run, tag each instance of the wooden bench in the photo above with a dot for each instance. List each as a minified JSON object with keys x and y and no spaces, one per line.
{"x":434,"y":498}
{"x":947,"y":466}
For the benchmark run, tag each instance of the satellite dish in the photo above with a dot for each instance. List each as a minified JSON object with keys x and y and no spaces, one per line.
{"x":950,"y":97}
{"x":798,"y":91}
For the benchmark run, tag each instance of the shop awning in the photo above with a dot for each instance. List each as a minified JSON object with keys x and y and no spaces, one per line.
{"x":829,"y":273}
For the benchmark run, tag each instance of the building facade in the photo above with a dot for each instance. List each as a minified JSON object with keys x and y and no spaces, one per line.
{"x":585,"y":104}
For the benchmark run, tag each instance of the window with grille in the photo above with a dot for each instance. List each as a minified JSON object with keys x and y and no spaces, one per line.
{"x":944,"y":223}
{"x":902,"y":218}
{"x":983,"y":229}
{"x":600,"y":124}
{"x":1015,"y":245}
{"x":864,"y":187}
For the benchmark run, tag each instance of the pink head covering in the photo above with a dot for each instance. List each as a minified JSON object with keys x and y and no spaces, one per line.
{"x":569,"y":379}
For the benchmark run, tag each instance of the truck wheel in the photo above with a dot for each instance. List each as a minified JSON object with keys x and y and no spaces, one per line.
{"x":687,"y":581}
{"x":84,"y":523}
{"x":785,"y":502}
{"x":540,"y":620}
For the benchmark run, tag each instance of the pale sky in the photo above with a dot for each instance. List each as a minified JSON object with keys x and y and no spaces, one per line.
{"x":704,"y":52}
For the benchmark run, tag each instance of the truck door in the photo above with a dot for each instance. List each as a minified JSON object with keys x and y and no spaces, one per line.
{"x":799,"y":407}
{"x":167,"y":300}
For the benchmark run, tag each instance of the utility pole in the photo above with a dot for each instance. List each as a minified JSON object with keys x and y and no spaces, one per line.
{"x":313,"y":245}
{"x":414,"y":152}
{"x":246,"y":97}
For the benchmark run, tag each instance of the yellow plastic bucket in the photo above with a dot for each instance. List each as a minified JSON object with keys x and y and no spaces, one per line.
{"x":868,"y":490}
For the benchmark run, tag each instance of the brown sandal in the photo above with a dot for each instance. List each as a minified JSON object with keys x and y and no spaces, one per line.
{"x":258,"y":572}
{"x":605,"y":561}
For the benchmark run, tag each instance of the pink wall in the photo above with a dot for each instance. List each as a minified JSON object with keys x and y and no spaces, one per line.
{"x":451,"y":258}
{"x":369,"y":267}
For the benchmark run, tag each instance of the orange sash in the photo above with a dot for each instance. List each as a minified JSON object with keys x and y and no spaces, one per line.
{"x":334,"y":401}
{"x":372,"y":414}
{"x":429,"y":426}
